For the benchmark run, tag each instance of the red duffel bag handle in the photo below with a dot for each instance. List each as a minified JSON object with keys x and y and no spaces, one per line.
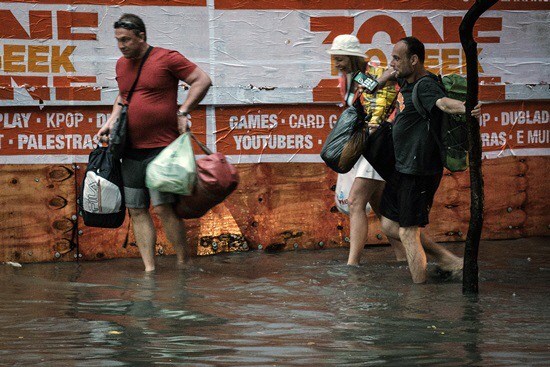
{"x":216,"y":180}
{"x":204,"y":148}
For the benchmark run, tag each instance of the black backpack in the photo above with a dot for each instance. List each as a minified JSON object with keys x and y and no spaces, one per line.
{"x":453,"y":141}
{"x":102,"y":195}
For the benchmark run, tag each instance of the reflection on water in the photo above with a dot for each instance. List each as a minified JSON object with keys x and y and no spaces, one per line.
{"x":287,"y":309}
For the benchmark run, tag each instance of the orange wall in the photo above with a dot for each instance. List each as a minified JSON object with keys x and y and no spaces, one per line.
{"x":277,"y":205}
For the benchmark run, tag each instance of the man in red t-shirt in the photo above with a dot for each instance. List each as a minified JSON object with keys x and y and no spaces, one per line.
{"x":154,"y":121}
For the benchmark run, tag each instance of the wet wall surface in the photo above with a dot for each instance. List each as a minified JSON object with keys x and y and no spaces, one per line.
{"x":302,"y":308}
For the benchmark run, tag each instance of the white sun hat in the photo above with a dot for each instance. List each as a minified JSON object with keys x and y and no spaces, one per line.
{"x":346,"y":44}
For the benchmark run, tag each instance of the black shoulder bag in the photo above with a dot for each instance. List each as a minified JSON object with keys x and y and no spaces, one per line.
{"x":379,"y":148}
{"x":117,"y":139}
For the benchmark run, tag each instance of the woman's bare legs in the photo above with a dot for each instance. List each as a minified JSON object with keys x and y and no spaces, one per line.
{"x":359,"y":195}
{"x":365,"y":191}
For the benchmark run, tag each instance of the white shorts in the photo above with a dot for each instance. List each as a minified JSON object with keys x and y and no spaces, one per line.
{"x":365,"y":170}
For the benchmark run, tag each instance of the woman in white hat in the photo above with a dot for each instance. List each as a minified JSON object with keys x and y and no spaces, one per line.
{"x":368,"y":185}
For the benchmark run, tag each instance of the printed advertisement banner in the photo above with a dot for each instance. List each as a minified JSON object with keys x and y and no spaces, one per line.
{"x":64,"y":52}
{"x":259,"y":134}
{"x":274,"y":96}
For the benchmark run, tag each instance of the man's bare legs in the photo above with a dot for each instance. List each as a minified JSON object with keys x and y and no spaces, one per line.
{"x":398,"y":249}
{"x":145,"y":235}
{"x":363,"y":191}
{"x":174,"y":229}
{"x":410,"y":237}
{"x":446,"y":259}
{"x":416,"y":257}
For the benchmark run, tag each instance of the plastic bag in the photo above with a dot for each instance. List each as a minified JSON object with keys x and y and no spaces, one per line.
{"x":344,"y":144}
{"x":174,"y":169}
{"x":343,"y":187}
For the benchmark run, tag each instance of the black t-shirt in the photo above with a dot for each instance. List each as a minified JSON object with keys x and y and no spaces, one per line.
{"x":416,"y":151}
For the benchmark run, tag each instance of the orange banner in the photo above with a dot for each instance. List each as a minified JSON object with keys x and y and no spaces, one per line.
{"x":56,"y":130}
{"x":305,"y":5}
{"x":115,"y":2}
{"x":275,"y":129}
{"x":378,"y":4}
{"x":264,"y":133}
{"x":516,"y":128}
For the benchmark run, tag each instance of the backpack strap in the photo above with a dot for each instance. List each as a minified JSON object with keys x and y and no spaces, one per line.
{"x":423,"y":112}
{"x":416,"y":100}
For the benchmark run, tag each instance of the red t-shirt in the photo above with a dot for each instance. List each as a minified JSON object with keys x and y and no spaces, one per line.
{"x":152,"y":119}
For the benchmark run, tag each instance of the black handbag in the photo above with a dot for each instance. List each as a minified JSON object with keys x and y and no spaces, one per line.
{"x":345,"y":142}
{"x":379,"y":150}
{"x":118,"y":136}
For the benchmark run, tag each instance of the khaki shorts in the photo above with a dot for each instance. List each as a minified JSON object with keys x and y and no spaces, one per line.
{"x":136,"y":194}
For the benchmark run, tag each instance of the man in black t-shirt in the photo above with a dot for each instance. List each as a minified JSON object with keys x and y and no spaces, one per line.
{"x":409,"y":194}
{"x":417,"y":152}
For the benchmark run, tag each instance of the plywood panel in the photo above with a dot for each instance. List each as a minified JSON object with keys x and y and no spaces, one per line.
{"x":277,"y":206}
{"x":537,"y":193}
{"x":287,"y":204}
{"x":37,"y":212}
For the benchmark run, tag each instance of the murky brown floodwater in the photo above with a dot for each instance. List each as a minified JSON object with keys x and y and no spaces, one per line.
{"x":287,"y":309}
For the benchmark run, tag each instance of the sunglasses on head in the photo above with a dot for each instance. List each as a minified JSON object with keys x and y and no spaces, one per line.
{"x":126,"y":25}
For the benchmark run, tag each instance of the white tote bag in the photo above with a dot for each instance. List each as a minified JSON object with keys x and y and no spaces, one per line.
{"x":343,"y":187}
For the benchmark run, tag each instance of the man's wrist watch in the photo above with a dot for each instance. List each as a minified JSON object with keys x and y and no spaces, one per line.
{"x":183,"y":113}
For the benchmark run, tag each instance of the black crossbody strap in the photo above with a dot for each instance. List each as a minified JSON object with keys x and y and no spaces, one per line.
{"x":139,"y":72}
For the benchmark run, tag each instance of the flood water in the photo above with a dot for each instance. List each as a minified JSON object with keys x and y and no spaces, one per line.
{"x":298,"y":308}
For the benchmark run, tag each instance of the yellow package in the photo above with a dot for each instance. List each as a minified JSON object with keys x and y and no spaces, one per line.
{"x":378,"y":106}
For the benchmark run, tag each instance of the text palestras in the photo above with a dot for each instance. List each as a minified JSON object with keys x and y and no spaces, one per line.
{"x":51,"y":142}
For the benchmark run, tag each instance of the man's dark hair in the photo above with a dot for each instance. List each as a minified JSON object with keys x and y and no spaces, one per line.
{"x":414,"y":47}
{"x":132,"y":22}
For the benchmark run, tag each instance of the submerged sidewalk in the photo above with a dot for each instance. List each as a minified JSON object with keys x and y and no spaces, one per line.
{"x":302,"y":308}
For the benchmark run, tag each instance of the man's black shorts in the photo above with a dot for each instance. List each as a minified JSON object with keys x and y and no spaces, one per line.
{"x":407,"y":199}
{"x":136,"y":194}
